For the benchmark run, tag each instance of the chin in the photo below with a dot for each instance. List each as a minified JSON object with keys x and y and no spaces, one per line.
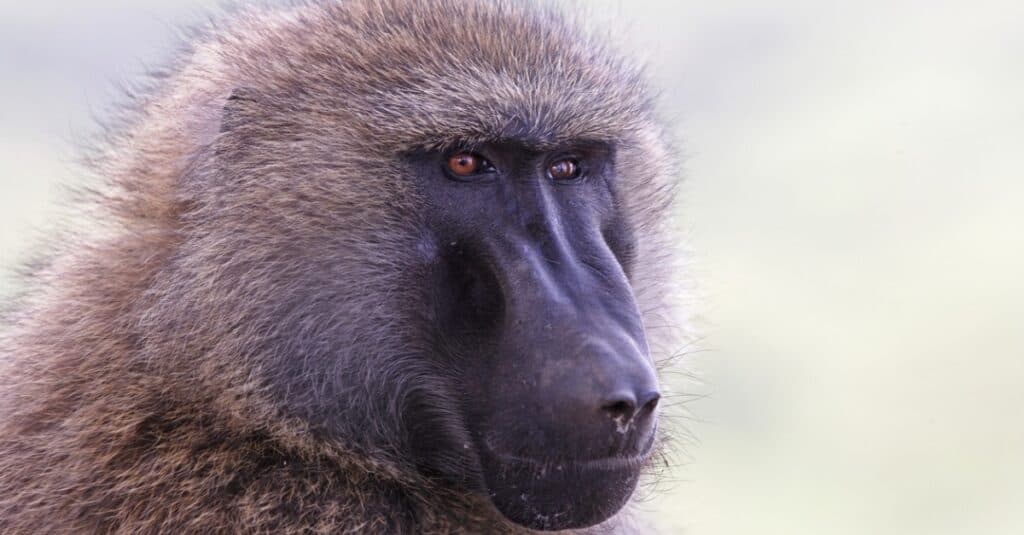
{"x":557,"y":495}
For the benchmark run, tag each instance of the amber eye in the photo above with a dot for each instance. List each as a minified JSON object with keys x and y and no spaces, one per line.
{"x":564,"y":170}
{"x":467,"y":164}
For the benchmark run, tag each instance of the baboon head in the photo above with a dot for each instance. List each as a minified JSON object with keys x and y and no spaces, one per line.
{"x":429,"y":232}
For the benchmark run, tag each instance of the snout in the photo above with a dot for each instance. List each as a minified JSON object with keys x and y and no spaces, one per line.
{"x":574,"y":354}
{"x":565,"y":414}
{"x":585,"y":421}
{"x":590,"y":390}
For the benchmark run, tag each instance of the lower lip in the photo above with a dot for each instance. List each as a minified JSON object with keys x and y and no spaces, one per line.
{"x":551,"y":494}
{"x":607,"y":464}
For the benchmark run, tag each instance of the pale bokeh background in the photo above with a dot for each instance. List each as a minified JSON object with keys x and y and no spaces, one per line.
{"x":856,"y":200}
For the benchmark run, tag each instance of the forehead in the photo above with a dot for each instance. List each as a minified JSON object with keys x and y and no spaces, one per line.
{"x":441,"y":72}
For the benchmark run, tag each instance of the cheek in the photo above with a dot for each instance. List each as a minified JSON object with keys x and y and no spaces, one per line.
{"x":622,"y":242}
{"x":616,"y":228}
{"x":467,"y":300}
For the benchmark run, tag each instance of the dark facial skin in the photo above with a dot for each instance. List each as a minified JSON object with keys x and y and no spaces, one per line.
{"x":534,"y":312}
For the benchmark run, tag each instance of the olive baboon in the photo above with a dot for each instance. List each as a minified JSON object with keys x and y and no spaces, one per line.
{"x":365,"y":266}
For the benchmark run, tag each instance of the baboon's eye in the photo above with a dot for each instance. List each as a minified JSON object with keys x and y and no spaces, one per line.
{"x":468,"y":164}
{"x":565,"y":170}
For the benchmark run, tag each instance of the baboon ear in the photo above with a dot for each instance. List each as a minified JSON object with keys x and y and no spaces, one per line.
{"x":239,"y":107}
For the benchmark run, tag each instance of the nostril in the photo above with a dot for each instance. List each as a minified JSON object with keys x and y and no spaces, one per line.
{"x":620,"y":407}
{"x":649,"y":402}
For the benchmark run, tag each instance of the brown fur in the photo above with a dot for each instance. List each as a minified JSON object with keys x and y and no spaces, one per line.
{"x":249,"y":192}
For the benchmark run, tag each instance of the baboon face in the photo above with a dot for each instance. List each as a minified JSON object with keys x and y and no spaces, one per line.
{"x":531,"y":303}
{"x":432,"y":224}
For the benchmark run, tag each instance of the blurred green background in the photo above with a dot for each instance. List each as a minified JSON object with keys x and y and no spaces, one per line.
{"x":855,"y":196}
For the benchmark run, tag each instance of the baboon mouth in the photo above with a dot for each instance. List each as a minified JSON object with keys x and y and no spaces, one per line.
{"x":605,"y":463}
{"x":543,"y":466}
{"x":532,"y":491}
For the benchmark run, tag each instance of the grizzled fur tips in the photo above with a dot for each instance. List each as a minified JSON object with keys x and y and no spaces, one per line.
{"x":235,"y":347}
